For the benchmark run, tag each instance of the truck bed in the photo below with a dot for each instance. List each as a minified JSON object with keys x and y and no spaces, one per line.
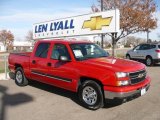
{"x":21,"y":59}
{"x":22,"y":54}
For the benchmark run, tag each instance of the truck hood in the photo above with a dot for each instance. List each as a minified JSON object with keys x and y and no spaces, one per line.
{"x":115,"y":64}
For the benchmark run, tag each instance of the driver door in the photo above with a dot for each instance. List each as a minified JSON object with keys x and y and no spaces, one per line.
{"x":61,"y":73}
{"x":135,"y":52}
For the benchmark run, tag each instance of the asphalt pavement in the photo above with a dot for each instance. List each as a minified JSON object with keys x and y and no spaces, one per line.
{"x":43,"y":102}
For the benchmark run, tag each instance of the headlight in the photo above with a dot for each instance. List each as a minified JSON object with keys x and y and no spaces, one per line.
{"x":121,"y":74}
{"x":123,"y":79}
{"x":122,"y":83}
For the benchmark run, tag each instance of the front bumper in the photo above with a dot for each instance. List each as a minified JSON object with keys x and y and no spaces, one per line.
{"x":123,"y":95}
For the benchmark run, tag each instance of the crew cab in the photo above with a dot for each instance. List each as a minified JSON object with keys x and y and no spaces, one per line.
{"x":82,"y":67}
{"x":148,"y":53}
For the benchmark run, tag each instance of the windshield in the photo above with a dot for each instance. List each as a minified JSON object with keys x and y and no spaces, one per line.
{"x":83,"y":51}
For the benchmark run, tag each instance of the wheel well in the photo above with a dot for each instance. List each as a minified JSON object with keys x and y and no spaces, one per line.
{"x":83,"y":79}
{"x":149,"y":56}
{"x":17,"y":65}
{"x":127,"y":54}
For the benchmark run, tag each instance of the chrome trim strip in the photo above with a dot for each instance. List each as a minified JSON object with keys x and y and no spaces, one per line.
{"x":53,"y":77}
{"x":59,"y":78}
{"x":138,"y":71}
{"x":136,"y":76}
{"x":37,"y":73}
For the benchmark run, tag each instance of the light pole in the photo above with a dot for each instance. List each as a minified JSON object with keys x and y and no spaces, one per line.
{"x":102,"y":39}
{"x":147,"y":36}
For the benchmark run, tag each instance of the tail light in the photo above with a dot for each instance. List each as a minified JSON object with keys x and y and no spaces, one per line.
{"x":158,"y":51}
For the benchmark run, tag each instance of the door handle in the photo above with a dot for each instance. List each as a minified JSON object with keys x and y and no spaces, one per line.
{"x":49,"y":64}
{"x":33,"y":62}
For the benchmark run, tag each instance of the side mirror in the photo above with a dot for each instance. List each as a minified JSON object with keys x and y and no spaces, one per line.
{"x":63,"y":58}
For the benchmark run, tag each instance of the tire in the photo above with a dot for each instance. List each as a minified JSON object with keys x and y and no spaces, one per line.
{"x":149,"y":61}
{"x":96,"y":99}
{"x":128,"y":57}
{"x":20,"y":78}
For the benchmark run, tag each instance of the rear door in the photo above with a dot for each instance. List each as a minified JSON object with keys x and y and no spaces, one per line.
{"x":38,"y":62}
{"x":144,"y":50}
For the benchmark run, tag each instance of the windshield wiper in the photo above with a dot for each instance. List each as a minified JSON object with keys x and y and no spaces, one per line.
{"x":89,"y":57}
{"x":103,"y":56}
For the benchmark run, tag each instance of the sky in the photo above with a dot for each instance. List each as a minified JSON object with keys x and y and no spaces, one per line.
{"x":18,"y":16}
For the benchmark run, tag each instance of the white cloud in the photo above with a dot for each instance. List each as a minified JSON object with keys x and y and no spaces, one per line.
{"x":17,"y":22}
{"x":30,"y":17}
{"x":41,"y":16}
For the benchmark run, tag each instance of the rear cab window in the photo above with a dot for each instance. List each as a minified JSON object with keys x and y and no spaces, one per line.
{"x":42,"y":50}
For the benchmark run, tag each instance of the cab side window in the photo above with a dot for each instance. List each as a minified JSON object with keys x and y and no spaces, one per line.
{"x":60,"y":50}
{"x":42,"y":50}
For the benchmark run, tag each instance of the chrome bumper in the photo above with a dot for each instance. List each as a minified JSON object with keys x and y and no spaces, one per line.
{"x":121,"y":95}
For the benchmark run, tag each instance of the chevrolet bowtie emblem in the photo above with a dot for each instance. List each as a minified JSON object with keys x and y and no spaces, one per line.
{"x":140,"y":75}
{"x":96,"y":23}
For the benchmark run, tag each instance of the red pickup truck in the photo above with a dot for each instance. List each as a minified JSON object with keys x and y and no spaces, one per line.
{"x":81,"y":67}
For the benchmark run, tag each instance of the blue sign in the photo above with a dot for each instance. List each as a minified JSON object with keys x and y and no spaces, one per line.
{"x":59,"y":25}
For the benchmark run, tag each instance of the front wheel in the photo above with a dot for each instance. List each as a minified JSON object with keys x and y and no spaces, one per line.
{"x":20,"y":78}
{"x":128,"y":57}
{"x":90,"y":95}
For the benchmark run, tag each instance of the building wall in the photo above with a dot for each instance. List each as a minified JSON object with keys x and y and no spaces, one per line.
{"x":2,"y":48}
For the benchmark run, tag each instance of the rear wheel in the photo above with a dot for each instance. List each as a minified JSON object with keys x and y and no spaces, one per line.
{"x":149,"y":61}
{"x":20,"y":78}
{"x":90,"y":95}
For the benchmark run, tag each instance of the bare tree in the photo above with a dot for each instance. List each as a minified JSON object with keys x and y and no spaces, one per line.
{"x":7,"y":38}
{"x":29,"y":37}
{"x":135,"y":16}
{"x":132,"y":40}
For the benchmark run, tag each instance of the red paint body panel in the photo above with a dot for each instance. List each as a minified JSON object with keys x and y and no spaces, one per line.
{"x":101,"y":69}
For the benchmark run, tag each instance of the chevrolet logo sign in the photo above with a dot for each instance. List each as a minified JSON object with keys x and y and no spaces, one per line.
{"x":96,"y":23}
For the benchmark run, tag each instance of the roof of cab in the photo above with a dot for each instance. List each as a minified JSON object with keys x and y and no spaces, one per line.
{"x":65,"y":41}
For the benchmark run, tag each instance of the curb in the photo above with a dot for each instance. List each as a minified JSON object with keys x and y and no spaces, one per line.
{"x":4,"y":79}
{"x":2,"y":76}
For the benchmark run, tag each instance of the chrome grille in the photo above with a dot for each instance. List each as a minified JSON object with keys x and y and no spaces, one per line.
{"x":137,"y":76}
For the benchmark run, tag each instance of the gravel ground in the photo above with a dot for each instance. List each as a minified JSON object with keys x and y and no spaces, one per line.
{"x":43,"y":102}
